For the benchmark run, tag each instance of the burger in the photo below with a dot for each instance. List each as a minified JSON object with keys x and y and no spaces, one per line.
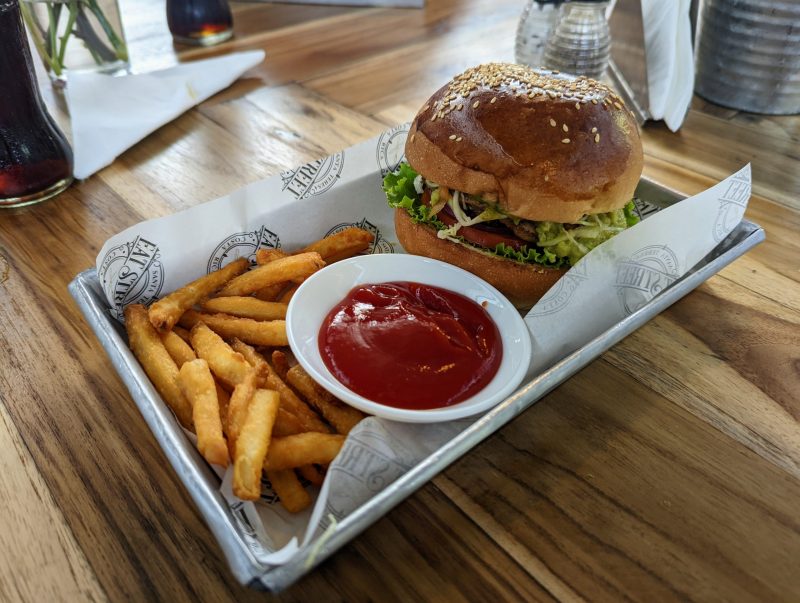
{"x":515,"y":174}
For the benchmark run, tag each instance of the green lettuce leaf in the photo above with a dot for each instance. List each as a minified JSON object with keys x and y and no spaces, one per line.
{"x":575,"y":242}
{"x":558,"y":246}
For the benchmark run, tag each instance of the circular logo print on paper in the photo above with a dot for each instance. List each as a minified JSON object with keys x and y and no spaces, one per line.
{"x":732,"y":204}
{"x":379,"y":244}
{"x":559,"y":294}
{"x":314,"y":178}
{"x":390,"y":151}
{"x":132,"y":273}
{"x":644,"y":275}
{"x":242,"y":245}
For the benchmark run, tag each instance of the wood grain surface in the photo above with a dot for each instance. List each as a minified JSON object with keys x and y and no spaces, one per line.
{"x":668,"y":469}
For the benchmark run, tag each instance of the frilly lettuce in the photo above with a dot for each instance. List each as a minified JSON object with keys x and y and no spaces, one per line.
{"x":575,"y":242}
{"x":558,"y":246}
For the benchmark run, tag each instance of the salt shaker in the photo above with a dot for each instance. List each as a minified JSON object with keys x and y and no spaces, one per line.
{"x":580,"y":41}
{"x":538,"y":18}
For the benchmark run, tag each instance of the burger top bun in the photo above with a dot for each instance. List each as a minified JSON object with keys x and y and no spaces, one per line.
{"x":544,"y":146}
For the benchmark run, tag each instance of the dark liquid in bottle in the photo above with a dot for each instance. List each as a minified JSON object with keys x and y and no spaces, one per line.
{"x":202,"y":22}
{"x":35,"y":159}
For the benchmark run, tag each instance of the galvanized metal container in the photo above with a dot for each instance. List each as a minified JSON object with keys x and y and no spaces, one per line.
{"x":748,"y":54}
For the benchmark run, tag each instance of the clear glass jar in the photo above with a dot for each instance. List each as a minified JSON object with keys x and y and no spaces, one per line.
{"x":538,"y":18}
{"x":580,"y":42}
{"x":76,"y":35}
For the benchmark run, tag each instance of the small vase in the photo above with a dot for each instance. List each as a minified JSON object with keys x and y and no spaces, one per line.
{"x":76,"y":35}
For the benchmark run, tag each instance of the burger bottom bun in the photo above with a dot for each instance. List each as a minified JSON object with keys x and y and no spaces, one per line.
{"x":522,"y":284}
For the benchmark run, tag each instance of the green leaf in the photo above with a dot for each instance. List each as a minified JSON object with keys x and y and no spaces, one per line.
{"x":557,"y":246}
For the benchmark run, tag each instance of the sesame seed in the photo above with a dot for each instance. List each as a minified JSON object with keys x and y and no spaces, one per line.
{"x":565,"y":128}
{"x":426,"y":107}
{"x":597,"y":137}
{"x":556,"y":71}
{"x":452,"y":136}
{"x":565,"y":141}
{"x":594,"y":101}
{"x":459,"y":139}
{"x":413,"y":136}
{"x":594,"y":130}
{"x":577,"y":105}
{"x":617,"y":105}
{"x":546,"y":177}
{"x":475,"y":104}
{"x":519,"y":81}
{"x":552,"y":122}
{"x":493,"y":101}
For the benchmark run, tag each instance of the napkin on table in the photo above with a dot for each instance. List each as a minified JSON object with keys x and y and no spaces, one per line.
{"x":111,"y":114}
{"x":670,"y":62}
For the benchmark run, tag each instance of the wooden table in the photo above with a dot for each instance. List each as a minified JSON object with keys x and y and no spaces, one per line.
{"x":667,"y":469}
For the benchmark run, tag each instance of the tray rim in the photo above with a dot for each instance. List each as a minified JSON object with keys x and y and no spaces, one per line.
{"x":202,"y":484}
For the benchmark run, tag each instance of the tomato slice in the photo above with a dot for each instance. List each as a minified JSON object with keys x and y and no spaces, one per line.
{"x":482,"y":238}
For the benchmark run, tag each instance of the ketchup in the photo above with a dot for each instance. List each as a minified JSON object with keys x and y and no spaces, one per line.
{"x":409,"y":345}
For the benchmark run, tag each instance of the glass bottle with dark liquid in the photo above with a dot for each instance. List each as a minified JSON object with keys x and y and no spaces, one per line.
{"x":35,"y":159}
{"x":199,"y":22}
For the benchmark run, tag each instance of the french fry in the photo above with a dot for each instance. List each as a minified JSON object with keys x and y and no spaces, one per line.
{"x":270,"y":293}
{"x":308,"y":448}
{"x":287,"y":295}
{"x":344,"y":244}
{"x":312,"y":474}
{"x":265,"y":256}
{"x":287,"y":424}
{"x":340,"y":415}
{"x":199,"y":387}
{"x":290,"y":491}
{"x":281,"y":363}
{"x":278,"y":271}
{"x":178,"y":349}
{"x":269,"y":379}
{"x":246,"y":307}
{"x":237,"y":408}
{"x":271,"y":333}
{"x":228,"y":366}
{"x":156,"y":361}
{"x":224,"y":400}
{"x":253,"y":443}
{"x":164,"y":314}
{"x":183,"y":333}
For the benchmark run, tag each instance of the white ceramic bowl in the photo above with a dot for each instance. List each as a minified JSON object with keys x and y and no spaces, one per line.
{"x":323,"y":290}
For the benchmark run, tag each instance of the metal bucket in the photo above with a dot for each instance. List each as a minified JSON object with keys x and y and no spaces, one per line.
{"x":748,"y":55}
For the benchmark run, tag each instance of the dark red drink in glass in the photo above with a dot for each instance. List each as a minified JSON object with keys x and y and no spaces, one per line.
{"x":35,"y":158}
{"x":199,"y":22}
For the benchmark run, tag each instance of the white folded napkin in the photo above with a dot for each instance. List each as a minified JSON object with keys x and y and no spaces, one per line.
{"x":110,"y":114}
{"x":670,"y":62}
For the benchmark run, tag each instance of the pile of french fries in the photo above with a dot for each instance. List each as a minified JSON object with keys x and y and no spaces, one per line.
{"x":216,"y":351}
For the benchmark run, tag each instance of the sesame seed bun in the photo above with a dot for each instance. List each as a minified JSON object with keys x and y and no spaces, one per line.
{"x":545,"y":146}
{"x":522,"y":284}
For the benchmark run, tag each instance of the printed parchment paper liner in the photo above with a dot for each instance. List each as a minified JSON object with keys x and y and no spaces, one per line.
{"x":157,"y":256}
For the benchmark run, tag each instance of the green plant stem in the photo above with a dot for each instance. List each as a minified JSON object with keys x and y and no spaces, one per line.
{"x":119,"y":46}
{"x":34,"y":28}
{"x":73,"y":15}
{"x":51,"y":38}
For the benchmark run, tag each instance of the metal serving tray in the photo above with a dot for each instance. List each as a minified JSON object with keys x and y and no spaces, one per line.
{"x":203,"y":484}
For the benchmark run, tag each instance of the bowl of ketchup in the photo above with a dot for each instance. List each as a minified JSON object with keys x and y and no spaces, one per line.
{"x":408,"y":338}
